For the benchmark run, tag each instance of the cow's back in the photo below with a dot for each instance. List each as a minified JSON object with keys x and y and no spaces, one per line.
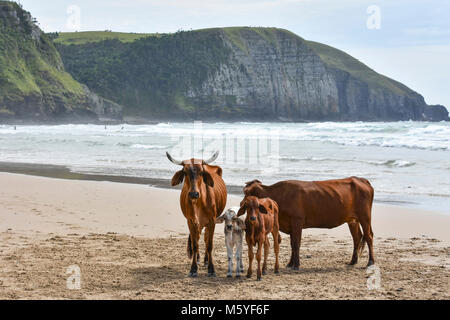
{"x":321,"y":204}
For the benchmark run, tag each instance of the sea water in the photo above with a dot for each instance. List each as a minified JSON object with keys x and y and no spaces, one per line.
{"x":408,"y":163}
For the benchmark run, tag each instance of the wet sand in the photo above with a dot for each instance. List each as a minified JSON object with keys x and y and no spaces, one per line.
{"x":129,"y":241}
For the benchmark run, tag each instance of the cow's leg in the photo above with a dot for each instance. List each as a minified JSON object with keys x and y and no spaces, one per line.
{"x":258,"y":258}
{"x":296,"y":238}
{"x":291,"y":260}
{"x":276,"y":246}
{"x":239,"y":245}
{"x":230,"y":256}
{"x":195,"y":237}
{"x":266,"y":254}
{"x":357,"y":236}
{"x":251,"y":256}
{"x":368,"y":236}
{"x":238,"y":256}
{"x":205,"y":259}
{"x":189,"y":247}
{"x":209,"y":246}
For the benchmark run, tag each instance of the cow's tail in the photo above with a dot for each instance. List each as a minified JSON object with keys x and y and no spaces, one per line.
{"x":362,"y":244}
{"x":190,"y":252}
{"x":279,"y":237}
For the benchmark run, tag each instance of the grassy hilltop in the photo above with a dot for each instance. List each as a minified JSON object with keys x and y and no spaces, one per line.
{"x":83,"y":37}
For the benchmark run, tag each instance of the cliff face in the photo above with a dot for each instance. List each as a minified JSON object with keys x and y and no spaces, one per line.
{"x":270,"y":74}
{"x":33,"y":83}
{"x":273,"y":72}
{"x":240,"y":73}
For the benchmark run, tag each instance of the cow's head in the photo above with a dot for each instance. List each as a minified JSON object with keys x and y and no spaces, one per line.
{"x":193,"y":174}
{"x":232,"y":222}
{"x":254,"y":188}
{"x":253,"y":207}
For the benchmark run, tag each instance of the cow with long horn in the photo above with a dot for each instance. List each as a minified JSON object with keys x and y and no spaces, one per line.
{"x":202,"y":199}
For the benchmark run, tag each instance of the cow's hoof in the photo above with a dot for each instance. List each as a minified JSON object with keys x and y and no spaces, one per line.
{"x":277,"y":271}
{"x":249,"y":275}
{"x":211,"y":274}
{"x":241,"y":270}
{"x":258,"y":279}
{"x":371,"y":262}
{"x":352,"y":263}
{"x":238,"y":276}
{"x":264,"y":272}
{"x":193,"y":274}
{"x":295,"y":268}
{"x":229,"y":275}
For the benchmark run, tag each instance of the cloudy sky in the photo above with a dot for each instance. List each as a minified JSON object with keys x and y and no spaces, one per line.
{"x":408,"y":40}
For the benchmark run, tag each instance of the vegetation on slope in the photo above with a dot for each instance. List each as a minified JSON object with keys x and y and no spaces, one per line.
{"x":159,"y":74}
{"x":150,"y":75}
{"x":340,"y":60}
{"x":31,"y":70}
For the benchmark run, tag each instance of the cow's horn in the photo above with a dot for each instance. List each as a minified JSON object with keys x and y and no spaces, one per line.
{"x":213,"y":157}
{"x":173,"y":160}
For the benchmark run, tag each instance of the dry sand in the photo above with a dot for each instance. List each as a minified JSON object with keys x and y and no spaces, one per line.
{"x":130,"y":242}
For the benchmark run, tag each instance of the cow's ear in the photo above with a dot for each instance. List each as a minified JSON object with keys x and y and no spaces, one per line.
{"x":241,"y":210}
{"x":208,"y":179}
{"x":177,"y":178}
{"x":220,"y":219}
{"x":262,"y":209}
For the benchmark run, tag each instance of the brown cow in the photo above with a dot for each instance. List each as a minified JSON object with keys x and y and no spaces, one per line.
{"x":261,"y":219}
{"x":321,"y":204}
{"x":202,"y":199}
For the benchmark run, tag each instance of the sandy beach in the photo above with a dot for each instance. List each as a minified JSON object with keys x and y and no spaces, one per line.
{"x":129,"y":241}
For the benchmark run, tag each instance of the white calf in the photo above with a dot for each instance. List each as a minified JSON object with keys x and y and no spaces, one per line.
{"x":234,"y":236}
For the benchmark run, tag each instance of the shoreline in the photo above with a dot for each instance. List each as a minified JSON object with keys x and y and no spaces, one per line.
{"x":64,"y":172}
{"x":39,"y":203}
{"x":143,"y":121}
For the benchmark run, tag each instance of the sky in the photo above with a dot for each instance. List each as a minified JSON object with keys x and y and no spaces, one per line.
{"x":407,"y":40}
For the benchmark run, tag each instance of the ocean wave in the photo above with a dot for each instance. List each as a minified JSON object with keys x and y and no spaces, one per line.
{"x":296,"y":159}
{"x":396,"y":163}
{"x":147,"y":146}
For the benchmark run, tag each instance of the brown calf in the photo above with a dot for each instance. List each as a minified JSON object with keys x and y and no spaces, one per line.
{"x":321,"y":204}
{"x":262,"y":219}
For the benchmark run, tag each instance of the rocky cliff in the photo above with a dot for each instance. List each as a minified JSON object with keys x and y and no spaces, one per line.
{"x":236,"y":73}
{"x":34,"y":85}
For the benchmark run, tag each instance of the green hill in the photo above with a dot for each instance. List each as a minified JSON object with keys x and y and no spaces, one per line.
{"x":33,"y":82}
{"x":340,"y":60}
{"x":229,"y":73}
{"x":235,"y":73}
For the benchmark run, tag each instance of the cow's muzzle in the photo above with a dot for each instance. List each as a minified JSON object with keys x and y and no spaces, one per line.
{"x":194,"y":195}
{"x":252,"y":218}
